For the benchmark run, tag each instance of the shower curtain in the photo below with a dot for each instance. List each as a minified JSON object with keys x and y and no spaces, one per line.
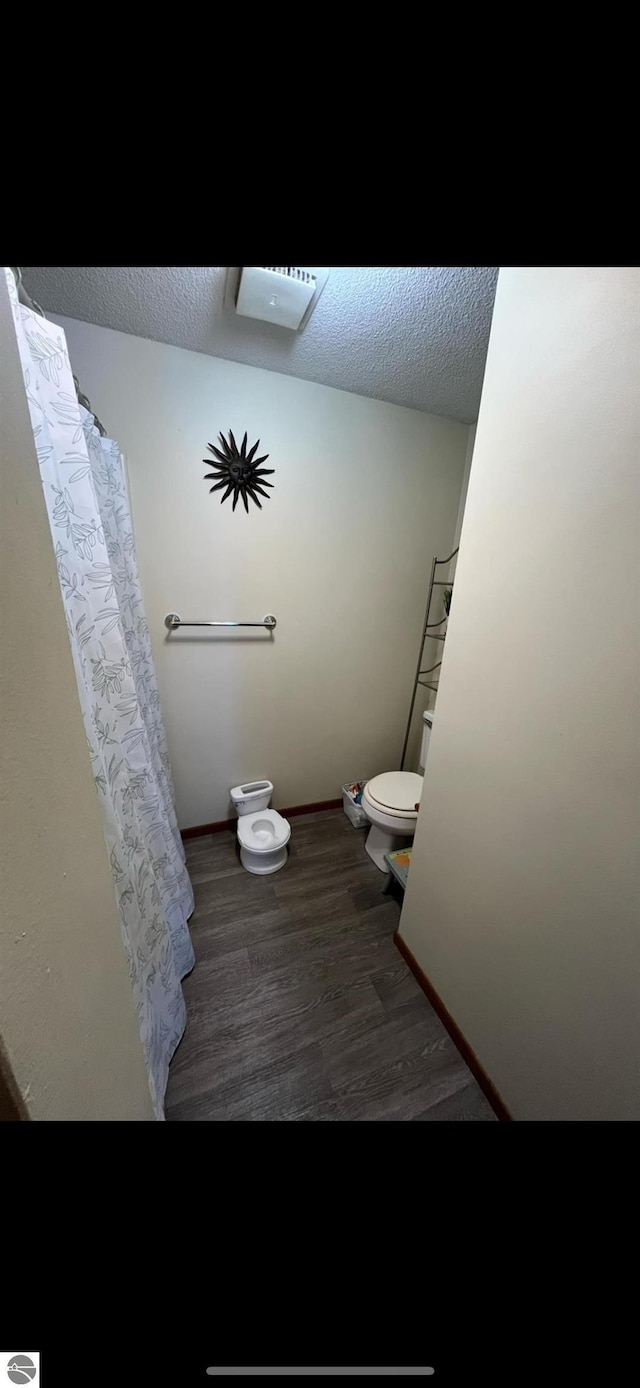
{"x":85,"y":493}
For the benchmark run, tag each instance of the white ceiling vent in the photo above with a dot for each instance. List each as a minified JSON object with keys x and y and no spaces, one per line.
{"x":281,"y":294}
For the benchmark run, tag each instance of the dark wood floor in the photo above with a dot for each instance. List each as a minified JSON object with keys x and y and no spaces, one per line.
{"x":300,"y":1006}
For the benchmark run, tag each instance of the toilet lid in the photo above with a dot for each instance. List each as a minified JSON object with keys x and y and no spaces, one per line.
{"x":396,"y":790}
{"x":263,"y":831}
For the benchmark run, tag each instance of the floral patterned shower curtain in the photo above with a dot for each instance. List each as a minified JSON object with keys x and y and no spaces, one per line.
{"x":86,"y":498}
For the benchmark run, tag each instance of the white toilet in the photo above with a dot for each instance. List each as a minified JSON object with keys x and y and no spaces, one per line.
{"x":263,"y":834}
{"x":389,"y":802}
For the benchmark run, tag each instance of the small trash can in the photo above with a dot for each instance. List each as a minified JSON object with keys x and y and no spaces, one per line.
{"x":352,"y":808}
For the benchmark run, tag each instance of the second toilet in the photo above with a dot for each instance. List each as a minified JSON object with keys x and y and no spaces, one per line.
{"x":390,"y":802}
{"x":263,"y":834}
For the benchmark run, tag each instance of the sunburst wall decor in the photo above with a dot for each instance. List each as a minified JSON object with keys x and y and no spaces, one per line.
{"x":238,"y":471}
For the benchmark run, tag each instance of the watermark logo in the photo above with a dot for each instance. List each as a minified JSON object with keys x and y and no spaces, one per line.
{"x":21,"y":1368}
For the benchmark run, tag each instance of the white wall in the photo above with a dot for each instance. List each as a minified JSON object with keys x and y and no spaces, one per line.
{"x":523,"y":904}
{"x":365,"y":493}
{"x":67,"y":1015}
{"x":432,"y":650}
{"x":465,"y":486}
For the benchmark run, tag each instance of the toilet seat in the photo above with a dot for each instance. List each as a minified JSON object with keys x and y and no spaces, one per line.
{"x":264,"y":831}
{"x":396,"y":792}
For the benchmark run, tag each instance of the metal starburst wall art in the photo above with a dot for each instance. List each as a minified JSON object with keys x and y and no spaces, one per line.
{"x":238,"y":471}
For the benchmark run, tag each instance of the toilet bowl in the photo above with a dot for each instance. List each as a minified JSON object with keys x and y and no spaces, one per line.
{"x":389,"y":802}
{"x":263,"y":838}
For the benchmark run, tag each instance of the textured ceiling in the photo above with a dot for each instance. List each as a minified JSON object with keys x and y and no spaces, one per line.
{"x":413,"y":335}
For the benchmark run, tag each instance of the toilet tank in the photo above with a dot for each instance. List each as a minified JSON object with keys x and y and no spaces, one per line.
{"x":427,"y":724}
{"x":252,"y":796}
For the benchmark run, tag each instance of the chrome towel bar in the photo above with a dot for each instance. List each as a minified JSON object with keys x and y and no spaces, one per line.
{"x":172,"y":621}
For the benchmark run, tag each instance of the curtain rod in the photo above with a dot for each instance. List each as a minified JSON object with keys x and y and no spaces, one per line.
{"x":28,"y":302}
